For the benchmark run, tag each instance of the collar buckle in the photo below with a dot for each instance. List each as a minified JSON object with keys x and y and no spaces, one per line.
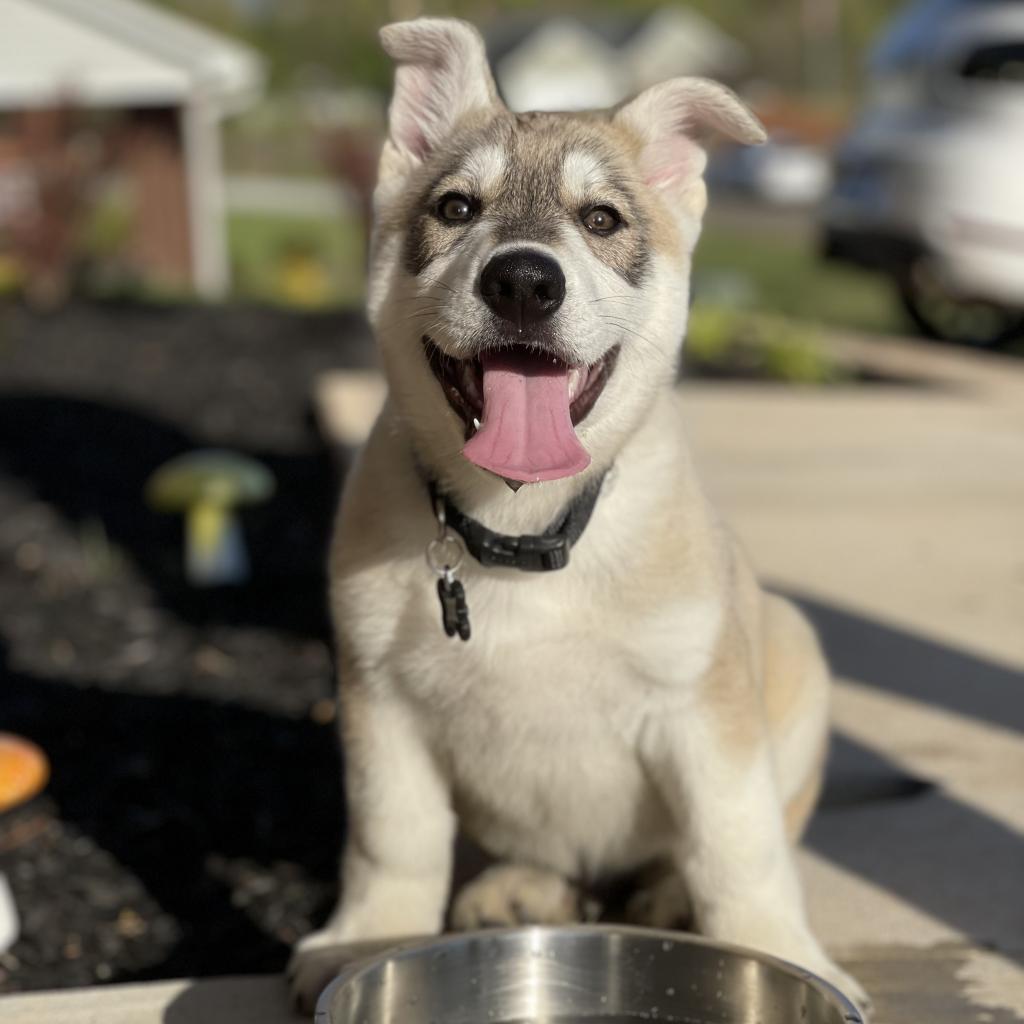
{"x":545,"y":552}
{"x":528,"y":553}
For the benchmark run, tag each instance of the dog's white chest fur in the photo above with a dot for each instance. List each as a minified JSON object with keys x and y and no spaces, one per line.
{"x":539,"y":716}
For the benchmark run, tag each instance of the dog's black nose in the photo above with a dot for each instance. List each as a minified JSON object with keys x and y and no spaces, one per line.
{"x":522,"y":286}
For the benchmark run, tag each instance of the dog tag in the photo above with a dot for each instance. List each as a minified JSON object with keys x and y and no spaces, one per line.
{"x":454,"y":610}
{"x":444,"y":556}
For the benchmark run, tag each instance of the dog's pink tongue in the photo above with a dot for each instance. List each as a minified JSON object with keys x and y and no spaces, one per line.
{"x":527,"y":431}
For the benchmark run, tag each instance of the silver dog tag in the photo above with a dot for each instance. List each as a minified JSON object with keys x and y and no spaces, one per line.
{"x":444,"y":556}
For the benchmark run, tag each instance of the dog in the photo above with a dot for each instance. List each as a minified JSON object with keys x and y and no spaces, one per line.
{"x":641,"y":706}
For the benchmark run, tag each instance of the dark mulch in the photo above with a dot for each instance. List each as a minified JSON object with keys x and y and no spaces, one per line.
{"x":194,"y":815}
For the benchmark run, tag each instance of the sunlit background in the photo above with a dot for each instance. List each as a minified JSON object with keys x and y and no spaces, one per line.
{"x":185,"y":370}
{"x":225,"y":149}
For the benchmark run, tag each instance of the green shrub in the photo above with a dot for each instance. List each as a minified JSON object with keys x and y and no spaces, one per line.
{"x":725,"y":342}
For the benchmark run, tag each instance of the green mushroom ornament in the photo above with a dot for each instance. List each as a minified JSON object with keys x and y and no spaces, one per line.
{"x":207,"y":487}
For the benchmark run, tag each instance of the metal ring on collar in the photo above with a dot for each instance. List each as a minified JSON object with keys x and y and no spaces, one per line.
{"x":445,"y":553}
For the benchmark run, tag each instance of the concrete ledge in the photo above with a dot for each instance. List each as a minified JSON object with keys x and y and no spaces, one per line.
{"x":231,"y":1000}
{"x":948,"y":984}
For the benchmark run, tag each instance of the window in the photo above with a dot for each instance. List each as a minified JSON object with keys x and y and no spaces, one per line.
{"x":997,"y":62}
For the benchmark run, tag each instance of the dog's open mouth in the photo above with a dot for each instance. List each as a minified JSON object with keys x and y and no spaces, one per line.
{"x":520,"y":407}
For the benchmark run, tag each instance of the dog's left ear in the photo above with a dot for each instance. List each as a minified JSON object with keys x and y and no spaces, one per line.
{"x":441,"y":75}
{"x":672,"y":119}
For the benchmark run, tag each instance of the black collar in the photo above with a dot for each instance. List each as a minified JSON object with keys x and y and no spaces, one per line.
{"x":543,"y":552}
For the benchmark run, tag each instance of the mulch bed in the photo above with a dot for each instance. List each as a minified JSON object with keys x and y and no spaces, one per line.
{"x":193,"y":819}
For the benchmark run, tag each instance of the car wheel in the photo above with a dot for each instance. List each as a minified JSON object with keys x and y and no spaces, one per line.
{"x":964,"y":321}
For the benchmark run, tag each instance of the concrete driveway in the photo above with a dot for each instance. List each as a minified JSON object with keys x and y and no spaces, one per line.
{"x":895,"y":515}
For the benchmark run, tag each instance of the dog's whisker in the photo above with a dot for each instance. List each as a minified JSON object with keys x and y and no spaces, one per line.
{"x":418,"y":298}
{"x":621,"y":297}
{"x":424,"y":294}
{"x":621,"y":322}
{"x":622,"y":326}
{"x":427,"y":311}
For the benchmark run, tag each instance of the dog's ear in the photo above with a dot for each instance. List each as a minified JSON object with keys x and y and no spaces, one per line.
{"x":673,"y":119}
{"x":441,"y":75}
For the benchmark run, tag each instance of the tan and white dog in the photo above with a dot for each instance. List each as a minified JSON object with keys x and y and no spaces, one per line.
{"x":648,"y":706}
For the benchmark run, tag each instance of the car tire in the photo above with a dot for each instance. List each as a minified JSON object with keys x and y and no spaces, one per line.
{"x":960,"y":320}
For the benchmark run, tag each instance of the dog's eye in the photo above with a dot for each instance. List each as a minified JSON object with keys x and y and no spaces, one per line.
{"x":602,"y":220}
{"x":455,"y":208}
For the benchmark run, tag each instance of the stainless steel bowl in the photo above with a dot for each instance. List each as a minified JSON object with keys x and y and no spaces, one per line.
{"x":590,"y":973}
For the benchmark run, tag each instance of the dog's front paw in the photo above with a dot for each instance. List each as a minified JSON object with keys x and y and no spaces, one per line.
{"x":818,"y":962}
{"x":319,"y":958}
{"x":849,"y":986}
{"x":813,"y":959}
{"x":315,"y":962}
{"x":512,"y":894}
{"x":788,"y":938}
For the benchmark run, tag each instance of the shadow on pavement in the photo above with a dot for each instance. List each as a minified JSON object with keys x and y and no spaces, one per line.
{"x":916,"y":667}
{"x":922,"y":846}
{"x":904,"y":834}
{"x":260,"y":1000}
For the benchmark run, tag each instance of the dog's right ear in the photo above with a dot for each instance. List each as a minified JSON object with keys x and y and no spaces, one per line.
{"x":441,"y":75}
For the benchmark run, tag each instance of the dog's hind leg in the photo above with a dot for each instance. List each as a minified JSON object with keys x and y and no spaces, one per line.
{"x":722,"y":764}
{"x":796,"y":697}
{"x":512,"y":894}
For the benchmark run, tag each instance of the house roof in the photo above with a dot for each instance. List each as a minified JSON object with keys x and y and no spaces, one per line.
{"x":118,"y":53}
{"x":590,"y":59}
{"x":509,"y":31}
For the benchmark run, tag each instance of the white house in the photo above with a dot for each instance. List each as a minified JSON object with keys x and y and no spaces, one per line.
{"x":578,"y":61}
{"x":561,"y":65}
{"x":130,"y":56}
{"x":680,"y":41}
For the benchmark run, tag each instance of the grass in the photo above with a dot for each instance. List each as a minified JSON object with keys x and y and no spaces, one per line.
{"x":297,"y":261}
{"x":745,"y":344}
{"x":775,"y":270}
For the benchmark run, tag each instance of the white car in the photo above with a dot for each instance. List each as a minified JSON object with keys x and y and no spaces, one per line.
{"x":782,"y":172}
{"x":929,"y":187}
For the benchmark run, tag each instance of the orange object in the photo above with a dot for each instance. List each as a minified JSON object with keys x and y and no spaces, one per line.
{"x":24,"y":770}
